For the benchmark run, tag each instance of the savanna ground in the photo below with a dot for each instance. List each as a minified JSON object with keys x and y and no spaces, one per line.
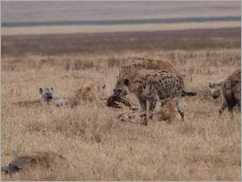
{"x":96,"y":146}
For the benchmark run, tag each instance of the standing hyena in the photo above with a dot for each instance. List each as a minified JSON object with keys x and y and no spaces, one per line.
{"x":230,"y":88}
{"x":144,"y":63}
{"x":151,"y":86}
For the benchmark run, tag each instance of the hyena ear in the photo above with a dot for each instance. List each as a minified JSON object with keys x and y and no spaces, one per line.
{"x":126,"y":82}
{"x":40,"y":90}
{"x":51,"y":89}
{"x":211,"y":84}
{"x":220,"y":82}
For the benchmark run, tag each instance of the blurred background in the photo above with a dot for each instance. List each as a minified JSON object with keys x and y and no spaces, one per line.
{"x":116,"y":16}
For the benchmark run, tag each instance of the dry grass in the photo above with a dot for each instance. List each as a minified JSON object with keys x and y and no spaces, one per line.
{"x":95,"y":144}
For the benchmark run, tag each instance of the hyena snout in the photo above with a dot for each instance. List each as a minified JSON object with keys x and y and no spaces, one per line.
{"x":49,"y":96}
{"x":10,"y":169}
{"x":215,"y":94}
{"x":119,"y":92}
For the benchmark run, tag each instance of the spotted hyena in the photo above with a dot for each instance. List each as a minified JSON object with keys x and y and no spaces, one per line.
{"x":47,"y":98}
{"x":151,"y":86}
{"x":146,"y":63}
{"x":46,"y":95}
{"x":19,"y":163}
{"x":89,"y":91}
{"x":230,"y":89}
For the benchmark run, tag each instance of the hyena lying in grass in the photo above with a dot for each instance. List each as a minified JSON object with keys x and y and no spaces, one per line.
{"x":152,"y":86}
{"x":89,"y":91}
{"x":144,"y":63}
{"x":20,"y":163}
{"x":46,"y":98}
{"x":230,"y":89}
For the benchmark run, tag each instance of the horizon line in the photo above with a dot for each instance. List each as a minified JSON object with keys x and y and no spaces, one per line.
{"x":120,"y":21}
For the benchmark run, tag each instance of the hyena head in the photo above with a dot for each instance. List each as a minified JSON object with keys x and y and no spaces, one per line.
{"x":121,"y":88}
{"x":18,"y":163}
{"x":47,"y":93}
{"x":215,"y":88}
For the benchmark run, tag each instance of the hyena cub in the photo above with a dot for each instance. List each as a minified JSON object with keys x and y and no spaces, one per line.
{"x":151,"y":86}
{"x":19,"y":163}
{"x":230,"y":89}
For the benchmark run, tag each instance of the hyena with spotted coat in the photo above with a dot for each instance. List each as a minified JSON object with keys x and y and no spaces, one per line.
{"x":151,"y":86}
{"x":144,"y":63}
{"x":230,"y":89}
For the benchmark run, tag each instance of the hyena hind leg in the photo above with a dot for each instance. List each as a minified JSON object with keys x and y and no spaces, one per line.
{"x":152,"y":104}
{"x":179,"y":108}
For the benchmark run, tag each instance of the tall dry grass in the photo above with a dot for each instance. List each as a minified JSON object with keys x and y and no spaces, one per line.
{"x":205,"y":146}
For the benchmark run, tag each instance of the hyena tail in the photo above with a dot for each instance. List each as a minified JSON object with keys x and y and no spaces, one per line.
{"x":186,"y":92}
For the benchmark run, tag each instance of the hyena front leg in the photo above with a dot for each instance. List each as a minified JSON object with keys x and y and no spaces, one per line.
{"x":222,"y":107}
{"x":152,"y":104}
{"x":143,"y":115}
